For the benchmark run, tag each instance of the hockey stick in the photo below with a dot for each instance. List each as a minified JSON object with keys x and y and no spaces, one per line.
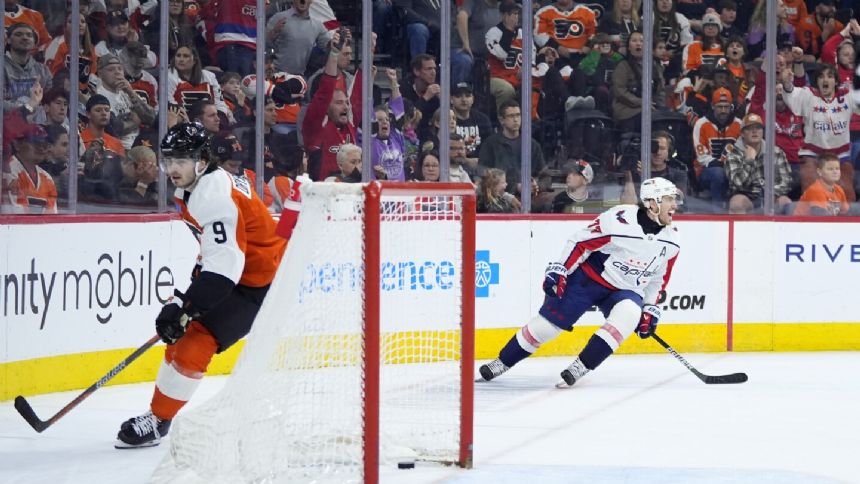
{"x":29,"y":415}
{"x":709,"y":379}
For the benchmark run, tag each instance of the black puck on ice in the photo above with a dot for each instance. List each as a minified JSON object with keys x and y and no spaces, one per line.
{"x":405,"y":465}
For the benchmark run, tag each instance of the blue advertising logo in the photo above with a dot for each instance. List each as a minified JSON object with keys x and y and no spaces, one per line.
{"x":486,"y":273}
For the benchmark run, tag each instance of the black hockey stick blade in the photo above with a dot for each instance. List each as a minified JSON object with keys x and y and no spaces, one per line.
{"x":709,"y":379}
{"x":733,"y":378}
{"x":23,"y":406}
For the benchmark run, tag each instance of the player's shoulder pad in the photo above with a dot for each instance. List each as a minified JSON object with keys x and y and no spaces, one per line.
{"x":619,"y":219}
{"x":212,"y":197}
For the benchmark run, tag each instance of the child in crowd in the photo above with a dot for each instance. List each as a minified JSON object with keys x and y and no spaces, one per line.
{"x":492,"y":197}
{"x":824,"y":196}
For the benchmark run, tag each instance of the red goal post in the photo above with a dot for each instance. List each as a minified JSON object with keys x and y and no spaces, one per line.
{"x":373,"y":198}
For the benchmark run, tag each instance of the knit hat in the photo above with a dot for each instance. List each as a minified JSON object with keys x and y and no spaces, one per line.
{"x":712,"y":19}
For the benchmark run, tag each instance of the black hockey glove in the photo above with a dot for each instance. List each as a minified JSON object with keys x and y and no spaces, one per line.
{"x":555,"y":280}
{"x":171,"y":321}
{"x":648,"y":321}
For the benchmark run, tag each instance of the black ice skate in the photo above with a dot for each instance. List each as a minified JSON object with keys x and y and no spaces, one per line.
{"x":572,"y":373}
{"x":492,"y":369}
{"x":143,"y":431}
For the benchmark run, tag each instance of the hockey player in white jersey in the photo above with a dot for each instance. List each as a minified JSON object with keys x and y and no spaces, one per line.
{"x":619,"y":263}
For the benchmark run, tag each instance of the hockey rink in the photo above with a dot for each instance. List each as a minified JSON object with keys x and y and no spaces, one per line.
{"x":637,"y":419}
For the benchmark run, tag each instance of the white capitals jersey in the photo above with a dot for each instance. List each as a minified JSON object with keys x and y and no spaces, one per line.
{"x":615,"y":252}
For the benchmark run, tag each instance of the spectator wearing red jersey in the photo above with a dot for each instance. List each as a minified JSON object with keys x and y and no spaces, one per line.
{"x":327,"y":123}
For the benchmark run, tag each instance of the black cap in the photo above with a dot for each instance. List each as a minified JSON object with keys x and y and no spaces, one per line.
{"x":116,"y":17}
{"x":225,"y":146}
{"x":461,"y":88}
{"x":509,"y":6}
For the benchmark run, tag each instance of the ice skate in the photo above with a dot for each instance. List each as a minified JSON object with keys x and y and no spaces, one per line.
{"x":143,"y":431}
{"x":572,"y":373}
{"x":492,"y":369}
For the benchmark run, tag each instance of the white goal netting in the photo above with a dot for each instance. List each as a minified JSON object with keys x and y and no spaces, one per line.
{"x":293,"y":410}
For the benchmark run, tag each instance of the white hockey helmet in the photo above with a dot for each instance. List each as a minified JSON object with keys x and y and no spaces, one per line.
{"x":656,"y":188}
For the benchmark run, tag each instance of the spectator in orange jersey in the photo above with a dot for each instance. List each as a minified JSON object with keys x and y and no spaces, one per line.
{"x":94,"y":138}
{"x":815,"y":29}
{"x":567,"y":27}
{"x":16,"y":13}
{"x":795,"y":11}
{"x":57,"y":54}
{"x":27,"y":188}
{"x":708,"y":49}
{"x":711,"y":135}
{"x":825,"y":196}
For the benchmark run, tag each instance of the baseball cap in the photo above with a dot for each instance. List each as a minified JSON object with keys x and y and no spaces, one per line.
{"x":712,"y":19}
{"x":116,"y":17}
{"x":96,"y":100}
{"x":461,"y":88}
{"x":721,"y":95}
{"x":580,"y":167}
{"x":224,"y":147}
{"x":33,"y":133}
{"x":107,"y":60}
{"x":509,"y":6}
{"x":752,"y":119}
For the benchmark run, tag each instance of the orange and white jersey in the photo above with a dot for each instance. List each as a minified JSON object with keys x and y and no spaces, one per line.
{"x":186,"y":94}
{"x":280,"y":187}
{"x":695,"y":55}
{"x":24,"y":15}
{"x":57,"y":58}
{"x":570,"y":29}
{"x":25,"y":194}
{"x":710,"y":141}
{"x":238,"y":238}
{"x":146,"y":87}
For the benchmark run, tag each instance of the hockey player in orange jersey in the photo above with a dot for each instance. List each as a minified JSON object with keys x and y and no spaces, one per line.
{"x":239,"y":255}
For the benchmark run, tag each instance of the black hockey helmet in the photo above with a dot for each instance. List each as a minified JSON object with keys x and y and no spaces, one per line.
{"x":186,"y":139}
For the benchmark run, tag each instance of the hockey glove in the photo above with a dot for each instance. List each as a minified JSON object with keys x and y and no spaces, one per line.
{"x":648,"y":321}
{"x":555,"y":280}
{"x":171,"y":322}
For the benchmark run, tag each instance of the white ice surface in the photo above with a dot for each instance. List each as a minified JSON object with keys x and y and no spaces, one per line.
{"x":638,"y":419}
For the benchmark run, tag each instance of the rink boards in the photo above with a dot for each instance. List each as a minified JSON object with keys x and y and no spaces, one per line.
{"x":78,"y":293}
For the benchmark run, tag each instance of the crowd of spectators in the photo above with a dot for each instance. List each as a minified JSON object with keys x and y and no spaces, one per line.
{"x":707,"y":86}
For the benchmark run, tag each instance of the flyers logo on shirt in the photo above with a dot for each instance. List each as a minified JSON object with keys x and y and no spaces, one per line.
{"x":565,"y":28}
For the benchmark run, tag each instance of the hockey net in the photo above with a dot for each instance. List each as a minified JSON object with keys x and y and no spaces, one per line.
{"x":362,"y":354}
